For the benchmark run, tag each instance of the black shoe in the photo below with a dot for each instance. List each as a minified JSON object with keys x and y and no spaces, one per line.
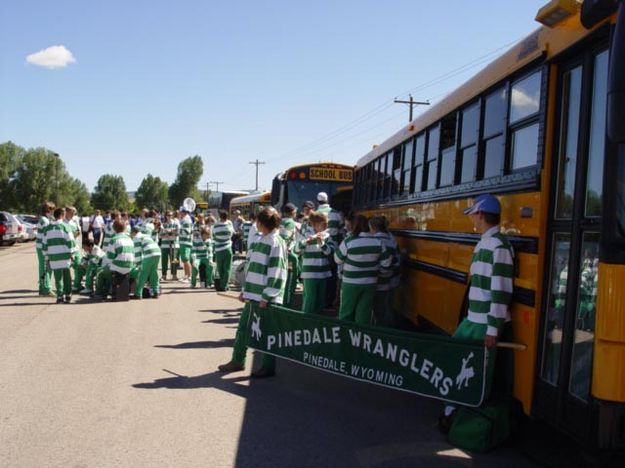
{"x":263,"y":373}
{"x":68,"y":299}
{"x":59,"y":300}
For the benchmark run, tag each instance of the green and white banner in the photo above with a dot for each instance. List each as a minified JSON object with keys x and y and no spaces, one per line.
{"x":432,"y":366}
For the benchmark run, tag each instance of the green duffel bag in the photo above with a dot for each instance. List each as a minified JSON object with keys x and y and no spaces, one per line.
{"x":482,"y":429}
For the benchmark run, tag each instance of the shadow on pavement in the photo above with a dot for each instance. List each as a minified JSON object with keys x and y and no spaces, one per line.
{"x":18,"y":291}
{"x":225,"y":321}
{"x":224,"y":343}
{"x":210,"y":380}
{"x":19,"y":304}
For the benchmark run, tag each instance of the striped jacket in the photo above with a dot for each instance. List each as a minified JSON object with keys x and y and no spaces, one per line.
{"x":222,"y":235}
{"x":389,"y":277}
{"x":41,"y":225}
{"x":58,"y":245}
{"x":265,"y":278}
{"x":108,"y":235}
{"x":336,"y":225}
{"x":95,"y":256}
{"x":492,"y":274}
{"x":362,"y":257}
{"x":169,"y":235}
{"x":247,"y":227}
{"x":202,"y":248}
{"x":73,"y":227}
{"x":186,"y":231}
{"x":121,"y":253}
{"x":288,"y":230}
{"x":145,"y":247}
{"x":316,"y":256}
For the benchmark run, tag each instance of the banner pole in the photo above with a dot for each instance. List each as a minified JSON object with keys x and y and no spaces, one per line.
{"x":515,"y":346}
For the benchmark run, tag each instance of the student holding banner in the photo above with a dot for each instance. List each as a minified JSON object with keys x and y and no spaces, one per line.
{"x":265,"y":282}
{"x":490,"y":291}
{"x":388,"y":279}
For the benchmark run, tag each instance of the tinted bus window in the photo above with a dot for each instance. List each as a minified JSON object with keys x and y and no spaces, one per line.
{"x":525,"y":97}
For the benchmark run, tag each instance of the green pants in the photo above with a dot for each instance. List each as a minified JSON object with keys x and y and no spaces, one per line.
{"x":291,"y":279}
{"x":203,"y":265}
{"x":470,"y":331}
{"x":63,"y":282}
{"x":185,"y":253}
{"x":240,"y":341}
{"x":314,"y":296}
{"x":223,"y":258}
{"x":168,"y":259}
{"x":44,"y":274}
{"x":357,"y":302}
{"x":148,"y":272}
{"x":103,"y":282}
{"x":90,"y":275}
{"x":78,"y":270}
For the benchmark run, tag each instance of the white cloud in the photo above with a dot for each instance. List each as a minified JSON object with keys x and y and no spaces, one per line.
{"x":53,"y":57}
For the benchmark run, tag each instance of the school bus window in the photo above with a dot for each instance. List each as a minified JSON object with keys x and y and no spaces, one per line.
{"x":495,"y":113}
{"x":381,"y":177}
{"x":468,"y":142}
{"x":524,"y":147}
{"x":407,"y":163}
{"x":594,"y":184}
{"x":570,"y":116}
{"x":431,"y":165}
{"x":396,"y":181}
{"x":525,"y":97}
{"x":389,"y":173}
{"x":448,"y":158}
{"x":448,"y":150}
{"x":494,"y":154}
{"x":416,"y":179}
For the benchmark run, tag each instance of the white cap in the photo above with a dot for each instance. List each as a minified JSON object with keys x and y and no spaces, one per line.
{"x":322,"y":197}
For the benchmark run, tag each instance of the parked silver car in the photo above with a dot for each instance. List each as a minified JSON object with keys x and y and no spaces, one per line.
{"x":9,"y":228}
{"x":30,"y":226}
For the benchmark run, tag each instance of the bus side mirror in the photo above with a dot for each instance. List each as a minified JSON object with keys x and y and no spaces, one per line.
{"x":275,"y":191}
{"x":616,"y":83}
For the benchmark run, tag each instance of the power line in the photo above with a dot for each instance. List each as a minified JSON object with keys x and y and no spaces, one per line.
{"x":216,"y":183}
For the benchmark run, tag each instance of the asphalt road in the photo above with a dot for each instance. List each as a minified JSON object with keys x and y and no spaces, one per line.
{"x":135,"y":384}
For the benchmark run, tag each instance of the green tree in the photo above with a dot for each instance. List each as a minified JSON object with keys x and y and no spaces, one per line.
{"x":152,"y":193}
{"x":189,"y":174}
{"x":81,"y":197}
{"x":10,"y":158}
{"x":110,"y":193}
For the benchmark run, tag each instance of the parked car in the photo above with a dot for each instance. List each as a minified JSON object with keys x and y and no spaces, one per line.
{"x":9,"y":228}
{"x":30,"y":226}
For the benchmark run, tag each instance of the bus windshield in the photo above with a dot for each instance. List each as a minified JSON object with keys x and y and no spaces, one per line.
{"x":300,"y":191}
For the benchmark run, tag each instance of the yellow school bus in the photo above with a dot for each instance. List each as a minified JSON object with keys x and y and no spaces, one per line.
{"x":536,"y":127}
{"x":250,"y":203}
{"x":303,"y":182}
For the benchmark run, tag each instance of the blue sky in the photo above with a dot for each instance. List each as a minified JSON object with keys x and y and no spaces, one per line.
{"x":154,"y":82}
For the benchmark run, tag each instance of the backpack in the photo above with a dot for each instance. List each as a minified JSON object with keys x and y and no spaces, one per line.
{"x":484,"y":428}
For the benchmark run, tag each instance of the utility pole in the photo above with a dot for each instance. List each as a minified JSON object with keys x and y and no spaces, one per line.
{"x":412,"y":103}
{"x":257,"y":163}
{"x":216,"y":183}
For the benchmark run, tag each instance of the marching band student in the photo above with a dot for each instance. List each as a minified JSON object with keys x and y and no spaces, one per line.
{"x":58,"y":247}
{"x":109,"y":232}
{"x":203,"y":255}
{"x":150,"y":254}
{"x":169,"y":246}
{"x":72,"y":222}
{"x":252,"y":235}
{"x":246,"y":228}
{"x":120,"y":258}
{"x":362,"y":256}
{"x":222,"y":236}
{"x":265,"y":281}
{"x":93,"y":259}
{"x":316,"y":251}
{"x":44,"y":272}
{"x":288,"y":231}
{"x":388,"y":278}
{"x":186,"y":243}
{"x":335,"y":219}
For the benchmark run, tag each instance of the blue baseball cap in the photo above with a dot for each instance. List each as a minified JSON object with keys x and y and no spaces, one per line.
{"x":485,"y":204}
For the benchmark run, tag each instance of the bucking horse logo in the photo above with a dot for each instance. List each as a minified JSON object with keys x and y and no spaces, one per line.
{"x":256,"y":332}
{"x":466,"y":373}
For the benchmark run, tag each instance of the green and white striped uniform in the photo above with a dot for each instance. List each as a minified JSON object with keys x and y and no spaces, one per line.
{"x":121,"y":253}
{"x":336,"y":225}
{"x":389,"y":277}
{"x":288,"y":229}
{"x":363,"y":257}
{"x":109,"y":233}
{"x":202,"y":248}
{"x":43,"y":222}
{"x":95,"y":256}
{"x":492,"y":276}
{"x":186,"y":231}
{"x":265,"y":279}
{"x":145,"y":247}
{"x":316,"y":257}
{"x":136,"y":240}
{"x":169,"y":235}
{"x":222,"y":235}
{"x":246,"y":228}
{"x":73,"y":227}
{"x":58,"y":245}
